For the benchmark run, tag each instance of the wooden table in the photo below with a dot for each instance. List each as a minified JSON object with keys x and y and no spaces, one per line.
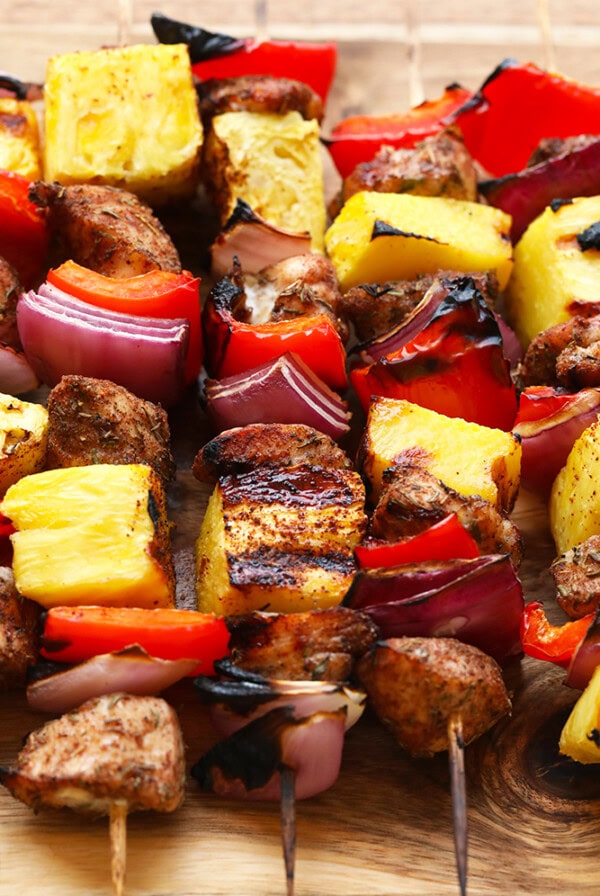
{"x":385,"y":828}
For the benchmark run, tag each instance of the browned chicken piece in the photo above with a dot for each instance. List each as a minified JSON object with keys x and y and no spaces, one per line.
{"x":113,"y":748}
{"x":106,"y":229}
{"x":375,"y":309}
{"x":576,"y":574}
{"x":244,"y":448}
{"x":439,"y":165}
{"x":416,"y":686}
{"x":305,"y":284}
{"x":93,"y":421}
{"x":552,"y":147}
{"x":413,"y":499}
{"x":319,"y":645}
{"x":538,"y":367}
{"x":10,"y":289}
{"x":257,"y":93}
{"x":18,"y":632}
{"x":578,"y":365}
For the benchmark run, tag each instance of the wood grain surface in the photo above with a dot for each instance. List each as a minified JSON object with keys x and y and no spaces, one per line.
{"x":385,"y":828}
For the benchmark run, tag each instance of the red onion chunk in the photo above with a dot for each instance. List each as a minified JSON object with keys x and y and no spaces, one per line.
{"x":16,"y":373}
{"x":512,"y":348}
{"x":546,"y":442}
{"x":477,"y":601}
{"x":145,"y":355}
{"x":281,"y":391}
{"x":586,"y":658}
{"x":131,"y":671}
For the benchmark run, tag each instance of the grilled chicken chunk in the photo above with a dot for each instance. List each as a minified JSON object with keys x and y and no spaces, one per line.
{"x":113,"y":748}
{"x":257,"y":93}
{"x":244,"y":448}
{"x":578,"y":364}
{"x":95,"y":421}
{"x":319,"y":645}
{"x":10,"y":288}
{"x":414,"y":499}
{"x":18,"y":632}
{"x":417,"y":685}
{"x":576,"y":574}
{"x":106,"y":229}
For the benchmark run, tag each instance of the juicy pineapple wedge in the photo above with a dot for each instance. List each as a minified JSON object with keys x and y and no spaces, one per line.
{"x":273,"y":162}
{"x":19,"y":138}
{"x":574,"y":501}
{"x":468,"y":457}
{"x":280,"y":540}
{"x":23,"y":439}
{"x":396,"y":236}
{"x":580,"y":737}
{"x":124,"y":116}
{"x":92,"y":535}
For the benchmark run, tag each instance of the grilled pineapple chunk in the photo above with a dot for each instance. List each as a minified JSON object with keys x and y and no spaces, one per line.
{"x":280,"y":540}
{"x":126,"y":117}
{"x":92,"y":535}
{"x":273,"y":162}
{"x":575,"y":501}
{"x":23,"y":439}
{"x":557,"y":268}
{"x":396,"y":236}
{"x":468,"y":457}
{"x":580,"y":737}
{"x":19,"y":138}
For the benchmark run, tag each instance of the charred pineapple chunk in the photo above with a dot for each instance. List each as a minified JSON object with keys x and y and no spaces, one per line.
{"x":575,"y":500}
{"x":23,"y":439}
{"x":580,"y":737}
{"x":279,"y":539}
{"x":379,"y":237}
{"x":92,"y":535}
{"x":557,"y":268}
{"x":126,"y":117}
{"x":19,"y":138}
{"x":273,"y":162}
{"x":468,"y":457}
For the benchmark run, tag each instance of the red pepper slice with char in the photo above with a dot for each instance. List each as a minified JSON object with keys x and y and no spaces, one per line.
{"x":446,"y":540}
{"x":553,"y":643}
{"x":23,"y":230}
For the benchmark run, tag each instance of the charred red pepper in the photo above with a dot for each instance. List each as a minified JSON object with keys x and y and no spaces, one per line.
{"x":153,"y":294}
{"x":446,"y":540}
{"x":458,"y":346}
{"x":234,"y":345}
{"x":23,"y":230}
{"x":357,"y":139}
{"x":553,"y":643}
{"x":221,"y":56}
{"x":518,"y":105}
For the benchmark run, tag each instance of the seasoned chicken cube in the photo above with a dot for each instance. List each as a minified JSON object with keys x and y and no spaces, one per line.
{"x":10,"y":288}
{"x":18,"y":632}
{"x":257,"y":93}
{"x":113,"y":748}
{"x":576,"y":574}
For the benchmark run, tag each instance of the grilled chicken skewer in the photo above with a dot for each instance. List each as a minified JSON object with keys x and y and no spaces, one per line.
{"x":115,"y":754}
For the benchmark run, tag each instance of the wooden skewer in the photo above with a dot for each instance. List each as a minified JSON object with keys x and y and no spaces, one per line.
{"x":288,"y":824}
{"x":456,"y":756}
{"x":118,"y":845}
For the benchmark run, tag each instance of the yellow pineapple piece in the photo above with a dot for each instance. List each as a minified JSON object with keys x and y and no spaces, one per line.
{"x":23,"y":439}
{"x":574,"y":501}
{"x":92,"y":535}
{"x":389,"y":236}
{"x":273,"y":162}
{"x":553,"y":277}
{"x":125,"y":116}
{"x":468,"y":457}
{"x":19,"y":138}
{"x":580,"y":737}
{"x":280,"y":540}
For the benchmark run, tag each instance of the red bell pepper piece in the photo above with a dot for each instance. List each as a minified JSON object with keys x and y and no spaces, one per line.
{"x":153,"y":294}
{"x":553,"y":643}
{"x":518,"y":105}
{"x":234,"y":346}
{"x":538,"y":402}
{"x":23,"y":231}
{"x":75,"y":634}
{"x":446,"y":540}
{"x":358,"y":138}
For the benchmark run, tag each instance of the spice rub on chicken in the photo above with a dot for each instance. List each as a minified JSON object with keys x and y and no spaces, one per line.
{"x":18,"y":632}
{"x":413,"y":499}
{"x":318,"y":645}
{"x":10,"y":288}
{"x":114,"y":748}
{"x":257,"y":93}
{"x":576,"y":574}
{"x":567,"y":354}
{"x":244,"y":448}
{"x":92,"y":421}
{"x":106,"y":229}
